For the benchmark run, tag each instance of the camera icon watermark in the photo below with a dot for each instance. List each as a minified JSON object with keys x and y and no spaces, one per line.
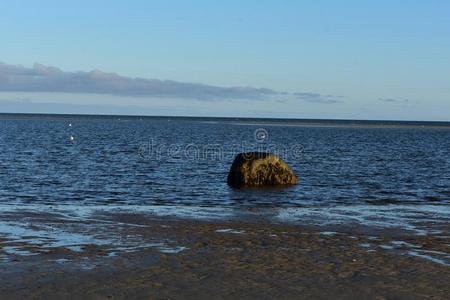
{"x":261,"y":135}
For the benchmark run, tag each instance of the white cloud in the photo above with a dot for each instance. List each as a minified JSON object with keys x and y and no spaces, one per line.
{"x":42,"y":78}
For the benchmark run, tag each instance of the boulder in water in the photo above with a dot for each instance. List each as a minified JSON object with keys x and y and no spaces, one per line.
{"x":260,"y":169}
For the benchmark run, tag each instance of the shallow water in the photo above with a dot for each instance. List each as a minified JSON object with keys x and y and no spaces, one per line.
{"x":396,"y":177}
{"x":138,"y":162}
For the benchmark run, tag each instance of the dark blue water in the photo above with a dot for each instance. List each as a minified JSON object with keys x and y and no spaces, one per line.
{"x":185,"y":162}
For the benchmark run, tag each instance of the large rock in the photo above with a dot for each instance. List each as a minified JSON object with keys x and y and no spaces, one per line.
{"x":259,"y":169}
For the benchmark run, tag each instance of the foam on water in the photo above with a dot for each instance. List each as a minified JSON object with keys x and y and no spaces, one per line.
{"x":444,"y":262}
{"x":78,"y":230}
{"x":408,"y":249}
{"x":17,"y":251}
{"x":230,"y":230}
{"x":50,"y":234}
{"x":391,"y":216}
{"x":405,"y":217}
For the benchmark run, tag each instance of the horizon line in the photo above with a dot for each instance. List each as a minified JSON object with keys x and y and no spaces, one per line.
{"x":231,"y":118}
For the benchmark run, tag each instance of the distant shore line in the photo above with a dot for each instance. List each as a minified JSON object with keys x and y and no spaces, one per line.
{"x":242,"y":120}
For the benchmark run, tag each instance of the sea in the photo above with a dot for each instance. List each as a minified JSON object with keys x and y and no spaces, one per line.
{"x":370,"y":174}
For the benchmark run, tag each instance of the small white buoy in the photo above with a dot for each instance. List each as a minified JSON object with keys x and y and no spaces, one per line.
{"x":72,"y":138}
{"x":70,"y":124}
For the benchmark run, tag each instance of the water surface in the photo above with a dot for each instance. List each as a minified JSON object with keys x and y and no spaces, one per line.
{"x":391,"y":175}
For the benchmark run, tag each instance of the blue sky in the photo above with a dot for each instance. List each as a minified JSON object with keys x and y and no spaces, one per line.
{"x":322,"y":59}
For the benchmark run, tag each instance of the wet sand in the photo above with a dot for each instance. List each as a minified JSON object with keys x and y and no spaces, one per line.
{"x":188,"y":259}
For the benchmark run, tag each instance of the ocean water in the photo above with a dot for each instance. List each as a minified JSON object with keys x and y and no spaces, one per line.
{"x":394,"y":175}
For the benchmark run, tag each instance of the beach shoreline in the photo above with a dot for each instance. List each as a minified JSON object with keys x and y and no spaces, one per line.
{"x":178,"y":258}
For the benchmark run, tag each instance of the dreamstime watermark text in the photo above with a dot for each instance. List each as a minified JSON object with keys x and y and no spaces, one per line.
{"x":155,"y":150}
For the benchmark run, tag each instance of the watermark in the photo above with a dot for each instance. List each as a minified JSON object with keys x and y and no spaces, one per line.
{"x":154,"y":150}
{"x":261,"y":135}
